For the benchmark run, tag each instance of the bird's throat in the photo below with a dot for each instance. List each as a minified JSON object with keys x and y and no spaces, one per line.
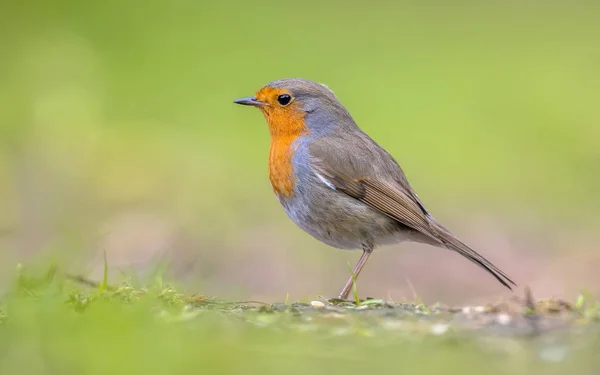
{"x":285,"y":128}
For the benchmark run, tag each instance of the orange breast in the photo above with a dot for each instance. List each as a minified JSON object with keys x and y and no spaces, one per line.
{"x":281,"y":170}
{"x":285,"y":126}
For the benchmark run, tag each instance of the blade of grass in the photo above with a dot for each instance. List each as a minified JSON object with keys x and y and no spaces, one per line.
{"x":104,"y":284}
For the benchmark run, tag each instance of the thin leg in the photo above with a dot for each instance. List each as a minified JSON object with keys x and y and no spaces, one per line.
{"x":367,"y":250}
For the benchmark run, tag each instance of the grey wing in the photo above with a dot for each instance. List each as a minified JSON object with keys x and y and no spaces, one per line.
{"x":369,"y":174}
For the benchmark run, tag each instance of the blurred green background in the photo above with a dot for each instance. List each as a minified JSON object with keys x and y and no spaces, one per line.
{"x":119,"y":134}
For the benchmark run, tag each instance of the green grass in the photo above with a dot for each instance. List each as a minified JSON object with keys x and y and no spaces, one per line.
{"x":50,"y":325}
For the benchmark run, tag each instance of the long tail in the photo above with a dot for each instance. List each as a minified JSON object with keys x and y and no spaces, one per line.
{"x":448,"y":240}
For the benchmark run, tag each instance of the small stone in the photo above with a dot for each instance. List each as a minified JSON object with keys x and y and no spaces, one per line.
{"x":317,"y":304}
{"x":553,"y":353}
{"x":503,"y":319}
{"x":439,"y":328}
{"x":479,"y":309}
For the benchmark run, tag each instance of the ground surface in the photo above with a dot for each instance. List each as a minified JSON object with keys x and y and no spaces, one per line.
{"x":52,"y":325}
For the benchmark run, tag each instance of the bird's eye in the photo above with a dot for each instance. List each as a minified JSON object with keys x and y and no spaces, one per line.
{"x":284,"y":99}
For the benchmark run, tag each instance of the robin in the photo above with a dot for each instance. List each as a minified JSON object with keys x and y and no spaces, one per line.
{"x":337,"y":184}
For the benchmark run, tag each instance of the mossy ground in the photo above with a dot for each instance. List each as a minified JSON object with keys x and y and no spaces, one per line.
{"x":57,"y":325}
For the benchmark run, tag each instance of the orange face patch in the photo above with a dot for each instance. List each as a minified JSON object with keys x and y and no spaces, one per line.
{"x":286,"y":123}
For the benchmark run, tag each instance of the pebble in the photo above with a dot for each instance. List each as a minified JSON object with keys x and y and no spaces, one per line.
{"x":439,"y":328}
{"x":553,"y":353}
{"x":503,"y":319}
{"x":317,"y":304}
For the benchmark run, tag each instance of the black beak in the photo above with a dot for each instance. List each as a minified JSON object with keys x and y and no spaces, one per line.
{"x":252,"y":101}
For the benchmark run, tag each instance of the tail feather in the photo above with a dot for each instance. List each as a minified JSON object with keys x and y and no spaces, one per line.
{"x":449,"y":241}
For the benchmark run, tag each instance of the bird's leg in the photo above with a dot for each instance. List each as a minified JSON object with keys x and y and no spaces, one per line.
{"x":367,"y":250}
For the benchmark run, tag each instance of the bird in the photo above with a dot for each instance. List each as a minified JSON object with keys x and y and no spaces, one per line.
{"x":337,"y":184}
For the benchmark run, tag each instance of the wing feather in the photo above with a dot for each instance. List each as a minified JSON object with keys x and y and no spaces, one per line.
{"x":391,"y":196}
